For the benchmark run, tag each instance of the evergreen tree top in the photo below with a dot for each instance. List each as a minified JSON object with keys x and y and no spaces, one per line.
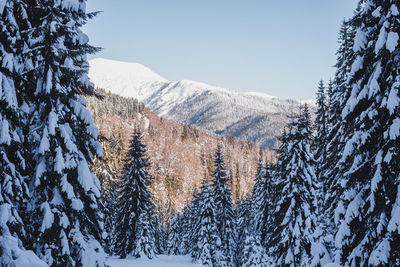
{"x":205,"y":187}
{"x":260,"y":166}
{"x":219,"y":156}
{"x":220,"y":174}
{"x":321,"y":95}
{"x":137,"y":150}
{"x":299,"y":128}
{"x":321,"y":120}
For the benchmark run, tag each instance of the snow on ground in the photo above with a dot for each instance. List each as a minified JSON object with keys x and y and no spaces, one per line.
{"x":13,"y":255}
{"x":160,"y":261}
{"x":164,"y":261}
{"x":332,"y":265}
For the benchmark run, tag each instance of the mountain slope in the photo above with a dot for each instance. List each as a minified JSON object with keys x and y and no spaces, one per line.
{"x":255,"y":116}
{"x":125,"y":79}
{"x":180,"y":155}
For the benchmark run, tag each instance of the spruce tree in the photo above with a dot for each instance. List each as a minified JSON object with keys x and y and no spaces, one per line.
{"x":294,"y":218}
{"x":65,"y":219}
{"x":331,"y":169}
{"x":145,"y":243}
{"x":276,"y":189}
{"x":189,"y":217}
{"x":14,"y":193}
{"x":191,"y":221}
{"x":188,"y":220}
{"x":321,"y":122}
{"x":308,"y":124}
{"x":224,"y":207}
{"x":329,"y":187}
{"x":209,"y":248}
{"x":13,"y":189}
{"x":258,"y":197}
{"x":319,"y":246}
{"x":174,"y":246}
{"x":106,"y":170}
{"x":254,"y":254}
{"x":345,"y":58}
{"x":368,"y":232}
{"x":135,"y":231}
{"x":244,"y":214}
{"x":161,"y":235}
{"x":329,"y":96}
{"x":262,"y":201}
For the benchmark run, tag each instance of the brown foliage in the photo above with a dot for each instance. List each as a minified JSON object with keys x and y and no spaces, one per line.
{"x":180,"y":155}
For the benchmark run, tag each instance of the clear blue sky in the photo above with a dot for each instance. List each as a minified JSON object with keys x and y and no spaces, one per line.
{"x":280,"y":47}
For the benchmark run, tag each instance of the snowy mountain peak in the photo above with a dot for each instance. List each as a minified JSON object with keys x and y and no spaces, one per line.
{"x":123,"y":78}
{"x":130,"y":79}
{"x":255,"y":116}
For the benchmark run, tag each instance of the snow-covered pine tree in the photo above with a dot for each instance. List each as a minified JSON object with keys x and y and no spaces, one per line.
{"x":187,"y":221}
{"x":224,"y":207}
{"x":320,"y":254}
{"x":66,"y":222}
{"x":321,"y":124}
{"x":145,"y":243}
{"x":277,"y":188}
{"x":258,"y":197}
{"x":190,"y":216}
{"x":106,"y":171}
{"x":329,"y":95}
{"x":254,"y":254}
{"x":174,"y":246}
{"x":209,"y":249}
{"x":263,"y":202}
{"x":243,"y":214}
{"x":14,"y":193}
{"x":161,"y":235}
{"x":337,"y":97}
{"x":345,"y":58}
{"x":308,"y":124}
{"x":331,"y":168}
{"x":13,"y":190}
{"x":190,"y":221}
{"x":135,"y":230}
{"x":369,"y":231}
{"x":294,"y":218}
{"x":318,"y":248}
{"x":262,"y":199}
{"x":331,"y":187}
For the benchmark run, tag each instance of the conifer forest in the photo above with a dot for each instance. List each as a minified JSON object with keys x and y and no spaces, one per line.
{"x":93,"y":178}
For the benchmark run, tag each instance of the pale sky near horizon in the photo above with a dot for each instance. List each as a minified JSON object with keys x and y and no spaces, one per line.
{"x":282,"y":48}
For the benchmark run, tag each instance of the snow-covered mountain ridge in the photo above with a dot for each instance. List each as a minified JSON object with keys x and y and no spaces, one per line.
{"x":254,"y":116}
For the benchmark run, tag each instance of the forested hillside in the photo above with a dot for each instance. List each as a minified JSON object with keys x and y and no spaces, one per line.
{"x":180,"y":155}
